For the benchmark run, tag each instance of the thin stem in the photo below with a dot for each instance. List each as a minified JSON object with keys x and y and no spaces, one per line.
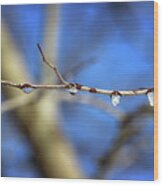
{"x":51,"y":65}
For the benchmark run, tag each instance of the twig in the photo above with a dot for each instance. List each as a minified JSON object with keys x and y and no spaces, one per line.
{"x":68,"y":85}
{"x":51,"y":66}
{"x":78,"y":87}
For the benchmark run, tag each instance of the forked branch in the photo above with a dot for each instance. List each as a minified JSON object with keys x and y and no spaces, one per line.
{"x":73,"y":88}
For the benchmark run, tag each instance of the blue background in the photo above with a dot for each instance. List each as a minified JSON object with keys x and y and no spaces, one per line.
{"x":117,"y":41}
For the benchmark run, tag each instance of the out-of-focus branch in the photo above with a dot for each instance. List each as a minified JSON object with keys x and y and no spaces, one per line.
{"x":126,"y":133}
{"x":74,"y":70}
{"x":95,"y":102}
{"x":83,"y":99}
{"x":16,"y":102}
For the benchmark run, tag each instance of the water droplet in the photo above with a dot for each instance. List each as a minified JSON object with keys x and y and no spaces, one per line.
{"x":150,"y":96}
{"x":72,"y":90}
{"x":115,"y":99}
{"x":27,"y":90}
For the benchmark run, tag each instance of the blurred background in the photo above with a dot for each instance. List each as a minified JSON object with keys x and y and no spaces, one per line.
{"x":53,"y":134}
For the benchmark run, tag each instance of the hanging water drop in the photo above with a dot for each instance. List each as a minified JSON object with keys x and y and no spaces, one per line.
{"x":26,"y":88}
{"x":73,"y":90}
{"x":150,"y":96}
{"x":115,"y":98}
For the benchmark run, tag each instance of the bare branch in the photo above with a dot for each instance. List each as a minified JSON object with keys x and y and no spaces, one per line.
{"x":51,"y":66}
{"x":73,"y":88}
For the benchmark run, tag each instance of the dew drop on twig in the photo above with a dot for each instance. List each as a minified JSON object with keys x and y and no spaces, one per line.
{"x":73,"y":90}
{"x":27,"y":90}
{"x":115,"y":99}
{"x":150,"y":96}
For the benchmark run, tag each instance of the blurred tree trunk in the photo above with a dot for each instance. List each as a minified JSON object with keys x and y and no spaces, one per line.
{"x":39,"y":118}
